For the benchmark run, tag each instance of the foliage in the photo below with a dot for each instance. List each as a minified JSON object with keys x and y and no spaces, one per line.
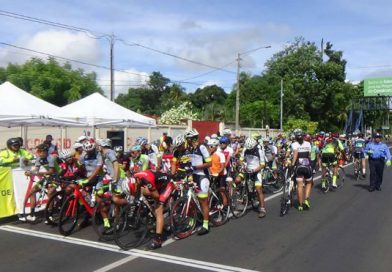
{"x":178,"y":115}
{"x":306,"y":125}
{"x":55,"y":83}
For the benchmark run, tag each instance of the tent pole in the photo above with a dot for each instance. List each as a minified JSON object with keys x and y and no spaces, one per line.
{"x":125,"y":138}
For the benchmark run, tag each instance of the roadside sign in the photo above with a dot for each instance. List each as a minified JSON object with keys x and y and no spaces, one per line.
{"x":378,"y":86}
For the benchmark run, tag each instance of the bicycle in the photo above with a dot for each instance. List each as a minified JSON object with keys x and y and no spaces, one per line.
{"x":275,"y":185}
{"x":186,"y":211}
{"x":40,"y":196}
{"x":329,"y":176}
{"x":289,"y":190}
{"x":358,"y":171}
{"x":136,"y":220}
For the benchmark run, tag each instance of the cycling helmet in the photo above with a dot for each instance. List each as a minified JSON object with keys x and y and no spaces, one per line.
{"x":118,"y":148}
{"x":190,"y":133}
{"x":136,"y":148}
{"x":213,"y":142}
{"x":179,"y":140}
{"x":141,"y":141}
{"x":77,"y":145}
{"x":226,"y":131}
{"x":214,"y":136}
{"x":82,"y":138}
{"x":13,"y":141}
{"x":335,"y":135}
{"x":89,"y":145}
{"x":65,"y":154}
{"x":255,"y":136}
{"x":250,"y":143}
{"x":322,"y":133}
{"x":224,"y":140}
{"x":105,"y":142}
{"x":308,"y":138}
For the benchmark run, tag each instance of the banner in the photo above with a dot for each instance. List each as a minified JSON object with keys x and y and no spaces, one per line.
{"x":7,"y":201}
{"x":22,"y":185}
{"x":377,"y":86}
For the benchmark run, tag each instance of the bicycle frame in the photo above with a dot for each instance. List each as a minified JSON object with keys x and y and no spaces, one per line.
{"x":79,"y":197}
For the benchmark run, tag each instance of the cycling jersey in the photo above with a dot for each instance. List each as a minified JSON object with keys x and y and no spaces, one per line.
{"x":44,"y":164}
{"x":167,"y":159}
{"x":153,"y":180}
{"x":152,"y":152}
{"x":253,"y":158}
{"x":304,"y":151}
{"x":140,"y":163}
{"x":109,"y":157}
{"x":359,"y":145}
{"x":199,"y":155}
{"x":91,"y":161}
{"x":70,"y":170}
{"x":216,"y":161}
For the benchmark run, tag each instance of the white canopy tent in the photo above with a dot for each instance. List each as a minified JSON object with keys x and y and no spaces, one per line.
{"x":98,"y":111}
{"x":19,"y":108}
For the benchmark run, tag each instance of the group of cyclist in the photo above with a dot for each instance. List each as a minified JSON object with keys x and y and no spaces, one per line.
{"x":148,"y":169}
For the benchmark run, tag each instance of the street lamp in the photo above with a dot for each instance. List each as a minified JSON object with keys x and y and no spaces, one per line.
{"x":237,"y":101}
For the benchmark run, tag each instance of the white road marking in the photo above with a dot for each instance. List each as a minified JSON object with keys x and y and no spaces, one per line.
{"x":133,"y":253}
{"x":116,"y":264}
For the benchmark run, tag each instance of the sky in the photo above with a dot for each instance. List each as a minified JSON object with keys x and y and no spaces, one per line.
{"x":193,"y":43}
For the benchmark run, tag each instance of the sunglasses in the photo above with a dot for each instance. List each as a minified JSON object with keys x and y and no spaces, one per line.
{"x":211,"y":146}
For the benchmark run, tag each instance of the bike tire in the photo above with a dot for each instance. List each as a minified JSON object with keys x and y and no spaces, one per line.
{"x":218,"y":214}
{"x":183,"y":218}
{"x":69,"y":215}
{"x":279,"y":183}
{"x":56,"y":201}
{"x":129,"y":228}
{"x":239,"y":200}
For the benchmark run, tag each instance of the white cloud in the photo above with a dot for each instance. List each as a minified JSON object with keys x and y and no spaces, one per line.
{"x":122,"y":81}
{"x":76,"y":46}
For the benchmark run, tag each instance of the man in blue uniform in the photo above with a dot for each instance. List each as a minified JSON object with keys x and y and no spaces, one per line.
{"x":378,"y":153}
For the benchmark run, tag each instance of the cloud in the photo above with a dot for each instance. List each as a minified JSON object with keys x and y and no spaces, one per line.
{"x":76,"y":46}
{"x":122,"y":81}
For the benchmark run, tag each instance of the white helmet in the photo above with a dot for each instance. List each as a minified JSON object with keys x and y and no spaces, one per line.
{"x":141,"y":141}
{"x":88,"y":145}
{"x":213,"y":142}
{"x":189,"y":133}
{"x":65,"y":154}
{"x":250,"y":143}
{"x":77,"y":145}
{"x":105,"y":142}
{"x":214,"y":136}
{"x":179,"y":140}
{"x":82,"y":138}
{"x":226,"y":131}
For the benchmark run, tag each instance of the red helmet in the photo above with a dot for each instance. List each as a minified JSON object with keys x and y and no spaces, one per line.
{"x":335,"y":135}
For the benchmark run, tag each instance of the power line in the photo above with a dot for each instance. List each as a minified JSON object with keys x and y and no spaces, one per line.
{"x":72,"y":60}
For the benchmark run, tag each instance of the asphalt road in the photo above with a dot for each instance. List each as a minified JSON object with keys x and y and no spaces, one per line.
{"x":346,"y":230}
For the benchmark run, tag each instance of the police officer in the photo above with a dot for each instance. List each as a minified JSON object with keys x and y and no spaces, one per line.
{"x":10,"y":157}
{"x":378,"y":153}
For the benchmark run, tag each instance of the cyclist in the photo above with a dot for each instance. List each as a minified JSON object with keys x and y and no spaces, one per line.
{"x":270,"y":153}
{"x":92,"y":161}
{"x":330,"y":154}
{"x":122,"y":158}
{"x":70,"y":168}
{"x":314,"y":153}
{"x":218,"y":172}
{"x":151,"y":151}
{"x":201,"y":161}
{"x":11,"y":156}
{"x":78,"y":147}
{"x":227,"y":150}
{"x":358,"y":147}
{"x":303,"y":169}
{"x":157,"y":185}
{"x":137,"y":160}
{"x":45,"y":165}
{"x":253,"y":159}
{"x":181,"y":163}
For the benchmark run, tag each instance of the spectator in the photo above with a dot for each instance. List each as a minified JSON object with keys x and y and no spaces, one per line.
{"x":52,"y":149}
{"x":11,"y":156}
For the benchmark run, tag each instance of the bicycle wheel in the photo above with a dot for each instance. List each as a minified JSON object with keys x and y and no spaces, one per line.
{"x":219,"y":214}
{"x":183,"y":218}
{"x":239,"y":200}
{"x":285,"y":200}
{"x":97,"y":221}
{"x":130,"y":227}
{"x":53,"y":208}
{"x":69,"y":215}
{"x":279,"y":183}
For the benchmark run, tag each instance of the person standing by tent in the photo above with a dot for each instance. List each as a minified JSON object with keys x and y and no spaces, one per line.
{"x":11,"y":156}
{"x":52,"y":149}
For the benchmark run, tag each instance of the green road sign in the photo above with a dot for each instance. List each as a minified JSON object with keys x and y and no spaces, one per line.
{"x":378,"y":86}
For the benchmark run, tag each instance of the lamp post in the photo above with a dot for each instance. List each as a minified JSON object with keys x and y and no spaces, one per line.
{"x":237,"y":101}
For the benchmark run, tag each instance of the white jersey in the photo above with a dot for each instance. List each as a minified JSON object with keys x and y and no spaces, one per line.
{"x":304,"y":151}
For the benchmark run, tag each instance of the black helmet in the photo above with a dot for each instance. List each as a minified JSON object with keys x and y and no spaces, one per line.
{"x":13,"y":141}
{"x":298,"y":133}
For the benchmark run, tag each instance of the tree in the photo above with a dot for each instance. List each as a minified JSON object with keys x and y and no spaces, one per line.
{"x":55,"y":83}
{"x":179,"y":115}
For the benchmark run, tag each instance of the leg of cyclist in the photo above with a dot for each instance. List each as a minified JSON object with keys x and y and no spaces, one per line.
{"x":323,"y":172}
{"x":31,"y":217}
{"x":335,"y":174}
{"x":203,"y":184}
{"x":363,"y":165}
{"x":260,"y":194}
{"x":222,"y":189}
{"x":300,"y":192}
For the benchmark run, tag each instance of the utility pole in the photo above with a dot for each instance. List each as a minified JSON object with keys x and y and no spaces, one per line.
{"x":281,"y":105}
{"x":237,"y":100}
{"x":111,"y":68}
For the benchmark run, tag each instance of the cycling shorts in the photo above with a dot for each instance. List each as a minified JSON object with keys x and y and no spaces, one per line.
{"x":203,"y":183}
{"x":328,"y":158}
{"x":304,"y":171}
{"x":220,"y":181}
{"x":272,"y":164}
{"x":257,"y":178}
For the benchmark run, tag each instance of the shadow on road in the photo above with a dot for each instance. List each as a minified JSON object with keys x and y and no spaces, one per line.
{"x":362,"y":186}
